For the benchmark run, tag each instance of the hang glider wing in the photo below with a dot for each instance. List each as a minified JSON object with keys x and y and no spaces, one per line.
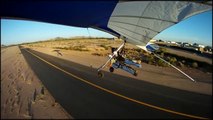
{"x":136,"y":21}
{"x":140,"y":21}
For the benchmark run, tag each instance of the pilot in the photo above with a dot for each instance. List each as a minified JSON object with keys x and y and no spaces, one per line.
{"x":118,"y":55}
{"x":120,"y":58}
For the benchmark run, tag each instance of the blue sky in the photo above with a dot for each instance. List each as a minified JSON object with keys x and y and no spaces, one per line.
{"x":196,"y":29}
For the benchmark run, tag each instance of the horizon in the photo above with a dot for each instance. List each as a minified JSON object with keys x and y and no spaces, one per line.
{"x":87,"y":37}
{"x":196,"y":29}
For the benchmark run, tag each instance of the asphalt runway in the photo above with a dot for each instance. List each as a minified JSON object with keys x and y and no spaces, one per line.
{"x":83,"y":94}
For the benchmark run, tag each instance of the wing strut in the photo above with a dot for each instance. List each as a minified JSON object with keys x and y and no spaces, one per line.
{"x":174,"y":67}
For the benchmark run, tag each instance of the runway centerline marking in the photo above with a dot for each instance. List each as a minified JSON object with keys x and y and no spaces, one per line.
{"x":117,"y":94}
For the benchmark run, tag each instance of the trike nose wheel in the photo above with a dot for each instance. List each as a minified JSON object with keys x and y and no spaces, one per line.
{"x":100,"y":74}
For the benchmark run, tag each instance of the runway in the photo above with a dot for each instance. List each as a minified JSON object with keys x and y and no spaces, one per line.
{"x":82,"y":94}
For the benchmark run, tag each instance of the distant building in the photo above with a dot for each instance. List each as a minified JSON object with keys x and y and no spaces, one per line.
{"x":198,"y":45}
{"x":208,"y":49}
{"x":168,"y":42}
{"x":152,"y":41}
{"x":185,"y":44}
{"x":173,"y":42}
{"x":179,"y":44}
{"x":160,"y":40}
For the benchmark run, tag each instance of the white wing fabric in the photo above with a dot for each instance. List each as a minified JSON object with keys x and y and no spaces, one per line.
{"x":140,"y":21}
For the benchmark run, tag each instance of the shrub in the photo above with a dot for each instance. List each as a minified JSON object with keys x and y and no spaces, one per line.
{"x":162,"y":50}
{"x":162,"y":55}
{"x":180,"y":64}
{"x":194,"y":65}
{"x":105,"y":47}
{"x":151,"y":59}
{"x":77,"y":48}
{"x":98,"y":54}
{"x":173,"y":60}
{"x":160,"y":62}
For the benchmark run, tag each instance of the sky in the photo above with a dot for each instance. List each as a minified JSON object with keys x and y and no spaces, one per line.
{"x":196,"y":29}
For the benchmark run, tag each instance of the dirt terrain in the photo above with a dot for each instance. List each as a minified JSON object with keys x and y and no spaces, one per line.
{"x":22,"y":94}
{"x":94,"y":53}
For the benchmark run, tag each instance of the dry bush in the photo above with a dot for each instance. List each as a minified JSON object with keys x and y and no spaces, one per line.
{"x":98,"y":54}
{"x":194,"y":65}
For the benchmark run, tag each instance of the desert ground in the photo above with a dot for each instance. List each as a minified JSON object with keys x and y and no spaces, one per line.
{"x":23,"y":95}
{"x":93,"y":53}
